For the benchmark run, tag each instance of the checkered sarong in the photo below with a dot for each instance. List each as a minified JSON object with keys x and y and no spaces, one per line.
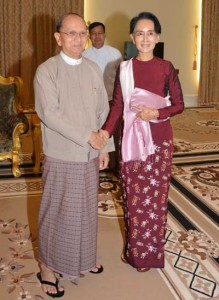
{"x":68,"y":216}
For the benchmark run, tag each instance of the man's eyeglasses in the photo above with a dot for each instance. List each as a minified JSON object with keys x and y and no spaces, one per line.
{"x":74,"y":34}
{"x":150,"y":34}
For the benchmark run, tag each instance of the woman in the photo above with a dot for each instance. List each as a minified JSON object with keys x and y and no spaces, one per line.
{"x":147,"y":93}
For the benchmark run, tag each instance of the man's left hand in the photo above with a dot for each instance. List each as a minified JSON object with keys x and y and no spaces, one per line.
{"x":103,"y":161}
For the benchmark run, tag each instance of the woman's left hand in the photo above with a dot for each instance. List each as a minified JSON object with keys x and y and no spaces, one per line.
{"x":146,"y":113}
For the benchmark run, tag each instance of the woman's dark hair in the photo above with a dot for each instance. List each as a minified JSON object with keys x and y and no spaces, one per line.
{"x":95,"y":24}
{"x":147,"y":16}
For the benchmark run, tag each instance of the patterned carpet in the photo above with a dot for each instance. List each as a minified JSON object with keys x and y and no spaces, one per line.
{"x":196,"y":134}
{"x":110,"y":196}
{"x":191,"y":251}
{"x":192,"y":244}
{"x":195,"y":252}
{"x":200,"y":184}
{"x":196,"y":131}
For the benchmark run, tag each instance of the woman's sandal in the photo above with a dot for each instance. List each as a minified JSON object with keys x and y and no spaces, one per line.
{"x":58,"y":293}
{"x":143,"y":269}
{"x":99,"y":270}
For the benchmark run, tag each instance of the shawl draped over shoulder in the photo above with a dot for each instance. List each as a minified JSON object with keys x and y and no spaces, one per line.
{"x":137,"y":142}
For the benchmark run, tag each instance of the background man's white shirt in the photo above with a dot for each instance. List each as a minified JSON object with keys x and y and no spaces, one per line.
{"x":108,"y":59}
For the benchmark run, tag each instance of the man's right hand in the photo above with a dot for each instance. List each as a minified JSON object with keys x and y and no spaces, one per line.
{"x":97,"y":141}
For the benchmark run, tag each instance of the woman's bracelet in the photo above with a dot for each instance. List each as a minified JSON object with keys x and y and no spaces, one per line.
{"x":156,"y":114}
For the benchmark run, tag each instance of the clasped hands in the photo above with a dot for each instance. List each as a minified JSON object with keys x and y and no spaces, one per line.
{"x":99,"y":139}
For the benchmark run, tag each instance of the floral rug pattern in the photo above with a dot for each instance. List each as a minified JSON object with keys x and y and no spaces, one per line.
{"x":190,"y":264}
{"x":109,"y":196}
{"x":187,"y":147}
{"x":202,"y":181}
{"x":196,"y":131}
{"x":14,"y":273}
{"x":191,"y":256}
{"x":187,"y":255}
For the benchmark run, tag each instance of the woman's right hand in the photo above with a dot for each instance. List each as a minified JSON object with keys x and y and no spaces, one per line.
{"x":104,"y":134}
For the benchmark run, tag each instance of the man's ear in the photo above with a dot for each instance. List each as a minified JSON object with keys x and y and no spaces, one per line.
{"x":57,"y":37}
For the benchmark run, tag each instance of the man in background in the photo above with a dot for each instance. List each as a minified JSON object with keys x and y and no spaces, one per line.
{"x":108,"y":59}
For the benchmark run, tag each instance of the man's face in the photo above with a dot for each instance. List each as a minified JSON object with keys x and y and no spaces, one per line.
{"x":97,"y":36}
{"x":72,"y":36}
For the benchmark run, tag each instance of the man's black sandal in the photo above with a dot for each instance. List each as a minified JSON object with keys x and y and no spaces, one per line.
{"x":55,"y":295}
{"x":99,"y":270}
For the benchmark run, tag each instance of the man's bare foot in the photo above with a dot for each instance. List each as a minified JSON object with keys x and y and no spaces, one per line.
{"x":46,"y":275}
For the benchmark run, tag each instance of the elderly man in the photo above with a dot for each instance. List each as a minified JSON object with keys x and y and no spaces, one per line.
{"x":72,"y":104}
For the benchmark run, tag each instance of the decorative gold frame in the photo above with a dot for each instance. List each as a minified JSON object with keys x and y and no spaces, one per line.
{"x":20,"y":128}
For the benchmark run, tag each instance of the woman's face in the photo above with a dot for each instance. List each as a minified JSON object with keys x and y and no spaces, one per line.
{"x":144,"y":36}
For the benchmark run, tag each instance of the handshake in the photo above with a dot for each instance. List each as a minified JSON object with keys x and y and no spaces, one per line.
{"x":99,"y":139}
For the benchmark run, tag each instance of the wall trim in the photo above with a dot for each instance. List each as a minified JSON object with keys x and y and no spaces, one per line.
{"x":190,"y":100}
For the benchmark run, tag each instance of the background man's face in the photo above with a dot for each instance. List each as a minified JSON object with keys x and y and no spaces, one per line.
{"x":97,"y":36}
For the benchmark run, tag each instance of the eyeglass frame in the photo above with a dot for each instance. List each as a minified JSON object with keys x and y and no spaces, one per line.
{"x":141,"y":33}
{"x":74,"y":34}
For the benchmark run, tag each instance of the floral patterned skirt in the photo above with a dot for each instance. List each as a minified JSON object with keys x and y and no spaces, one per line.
{"x":145,"y":194}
